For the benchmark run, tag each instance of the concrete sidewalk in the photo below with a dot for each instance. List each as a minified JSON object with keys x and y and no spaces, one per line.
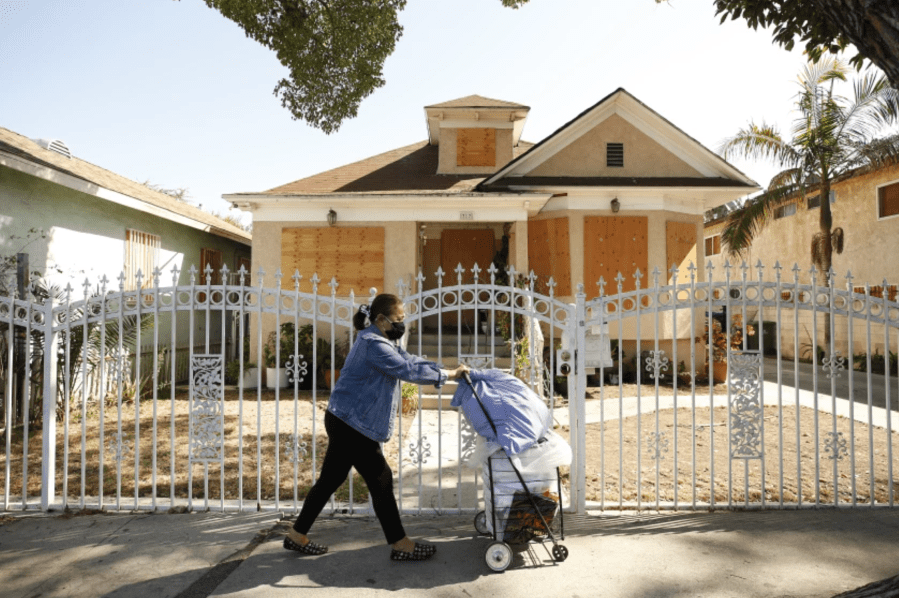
{"x":806,"y":553}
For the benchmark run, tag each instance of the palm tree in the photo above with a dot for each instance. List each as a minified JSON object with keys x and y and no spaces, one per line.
{"x":830,"y":136}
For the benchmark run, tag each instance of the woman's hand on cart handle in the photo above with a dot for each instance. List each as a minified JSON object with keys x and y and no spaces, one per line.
{"x":460,"y":371}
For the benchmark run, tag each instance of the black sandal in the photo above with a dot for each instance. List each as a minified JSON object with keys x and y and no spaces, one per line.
{"x":421,"y":552}
{"x":308,"y":548}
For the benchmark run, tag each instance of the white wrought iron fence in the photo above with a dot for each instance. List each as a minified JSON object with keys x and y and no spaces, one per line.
{"x":800,"y":421}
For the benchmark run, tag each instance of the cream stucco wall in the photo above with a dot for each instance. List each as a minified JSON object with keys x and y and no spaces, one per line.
{"x":447,"y":153}
{"x":870,"y":244}
{"x":642,"y":155}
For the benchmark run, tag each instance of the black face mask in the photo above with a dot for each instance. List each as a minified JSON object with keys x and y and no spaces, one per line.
{"x":396,"y":331}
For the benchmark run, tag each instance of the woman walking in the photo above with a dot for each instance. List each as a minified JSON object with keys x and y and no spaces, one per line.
{"x":360,"y":416}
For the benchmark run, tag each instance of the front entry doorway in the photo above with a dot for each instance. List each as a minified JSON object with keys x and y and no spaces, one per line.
{"x":467,"y":247}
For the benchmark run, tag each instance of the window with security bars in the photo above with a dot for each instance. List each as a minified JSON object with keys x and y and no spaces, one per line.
{"x":615,"y":154}
{"x":141,"y":254}
{"x":888,"y":201}
{"x":784,"y":211}
{"x":713,"y":245}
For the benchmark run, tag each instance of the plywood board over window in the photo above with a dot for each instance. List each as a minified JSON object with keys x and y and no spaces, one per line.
{"x":476,"y":147}
{"x":680,"y":249}
{"x":549,"y":254}
{"x":614,"y":244}
{"x":354,"y":256}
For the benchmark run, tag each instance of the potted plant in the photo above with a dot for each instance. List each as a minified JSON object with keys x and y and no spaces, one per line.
{"x":718,"y":368}
{"x":277,"y":351}
{"x":245,"y":378}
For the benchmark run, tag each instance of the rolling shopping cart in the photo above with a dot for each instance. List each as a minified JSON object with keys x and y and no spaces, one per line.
{"x":516,"y":512}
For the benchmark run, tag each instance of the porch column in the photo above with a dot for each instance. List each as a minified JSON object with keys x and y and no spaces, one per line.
{"x":267,"y":256}
{"x":400,"y":255}
{"x":518,"y":246}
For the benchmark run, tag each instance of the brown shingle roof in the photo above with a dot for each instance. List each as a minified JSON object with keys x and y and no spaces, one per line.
{"x":476,"y":101}
{"x":409,"y":169}
{"x":19,"y":145}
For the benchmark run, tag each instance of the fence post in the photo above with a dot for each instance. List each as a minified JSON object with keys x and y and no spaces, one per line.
{"x":579,"y":430}
{"x":48,"y":460}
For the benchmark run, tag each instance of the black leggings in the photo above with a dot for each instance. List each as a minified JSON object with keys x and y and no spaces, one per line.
{"x":349,"y":448}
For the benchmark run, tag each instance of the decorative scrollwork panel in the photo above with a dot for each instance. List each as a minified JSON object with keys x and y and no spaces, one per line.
{"x":746,"y":414}
{"x":207,"y":394}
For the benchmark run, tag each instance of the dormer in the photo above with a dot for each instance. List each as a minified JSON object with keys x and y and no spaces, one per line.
{"x":475,"y":135}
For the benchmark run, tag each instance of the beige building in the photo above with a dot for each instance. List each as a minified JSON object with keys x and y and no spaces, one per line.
{"x":865,"y":204}
{"x":617,"y":188}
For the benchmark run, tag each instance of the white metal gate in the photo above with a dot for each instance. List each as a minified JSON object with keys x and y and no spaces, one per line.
{"x":142,"y":418}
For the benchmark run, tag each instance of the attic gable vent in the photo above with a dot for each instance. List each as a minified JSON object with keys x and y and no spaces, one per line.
{"x":615,"y":154}
{"x":55,"y":145}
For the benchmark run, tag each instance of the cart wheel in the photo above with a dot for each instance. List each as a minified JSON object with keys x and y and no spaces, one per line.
{"x":480,"y":523}
{"x":499,"y":556}
{"x":560,"y":553}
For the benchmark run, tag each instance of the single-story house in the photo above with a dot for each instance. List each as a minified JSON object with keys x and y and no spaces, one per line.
{"x":616,"y":188}
{"x":93,"y":223}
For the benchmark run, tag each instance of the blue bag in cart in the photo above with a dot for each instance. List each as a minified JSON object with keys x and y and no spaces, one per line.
{"x":520,"y":416}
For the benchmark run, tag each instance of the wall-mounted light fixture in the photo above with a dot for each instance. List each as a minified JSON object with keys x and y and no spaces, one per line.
{"x":422,"y":234}
{"x":332,"y":217}
{"x":616,"y":205}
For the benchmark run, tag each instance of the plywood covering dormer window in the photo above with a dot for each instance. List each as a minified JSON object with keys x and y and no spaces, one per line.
{"x":476,"y":147}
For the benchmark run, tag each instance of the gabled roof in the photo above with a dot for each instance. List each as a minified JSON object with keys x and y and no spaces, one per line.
{"x":409,"y":169}
{"x":640,"y":115}
{"x":165,"y":206}
{"x":476,"y":101}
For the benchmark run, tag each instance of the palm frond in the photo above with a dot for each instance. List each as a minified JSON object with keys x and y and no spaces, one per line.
{"x":870,"y":109}
{"x":789,"y":179}
{"x":745,"y":224}
{"x":759,"y":142}
{"x":879,"y":152}
{"x":837,"y":239}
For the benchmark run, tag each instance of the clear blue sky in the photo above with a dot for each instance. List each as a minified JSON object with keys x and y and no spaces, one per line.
{"x":172,"y":92}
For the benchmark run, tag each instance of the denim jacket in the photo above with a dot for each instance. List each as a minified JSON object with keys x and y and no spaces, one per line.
{"x":366,"y":395}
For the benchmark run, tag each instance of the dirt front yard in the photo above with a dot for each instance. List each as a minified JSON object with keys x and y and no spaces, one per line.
{"x":628,"y":470}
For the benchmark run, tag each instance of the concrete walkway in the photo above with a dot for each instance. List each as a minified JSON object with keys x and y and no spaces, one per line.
{"x":724,"y":554}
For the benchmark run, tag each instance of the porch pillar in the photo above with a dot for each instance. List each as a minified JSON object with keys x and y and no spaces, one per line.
{"x":518,"y":246}
{"x":400,"y":256}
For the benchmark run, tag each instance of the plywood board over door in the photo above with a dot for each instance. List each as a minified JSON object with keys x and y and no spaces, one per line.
{"x":352,"y":255}
{"x":614,"y":244}
{"x":467,"y":247}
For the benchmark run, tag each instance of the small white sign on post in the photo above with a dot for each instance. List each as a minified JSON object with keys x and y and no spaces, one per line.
{"x":598,"y":348}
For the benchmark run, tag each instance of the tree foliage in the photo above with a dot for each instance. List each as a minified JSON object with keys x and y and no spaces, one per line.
{"x":831,"y":135}
{"x":872,"y":26}
{"x":334,"y":50}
